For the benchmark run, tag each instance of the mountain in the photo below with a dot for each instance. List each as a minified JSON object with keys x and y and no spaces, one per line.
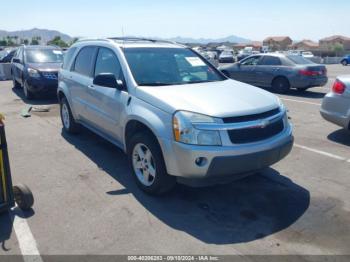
{"x":45,"y":34}
{"x":229,"y":39}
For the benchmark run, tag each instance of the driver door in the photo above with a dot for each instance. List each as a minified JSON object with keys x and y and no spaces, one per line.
{"x":246,"y":70}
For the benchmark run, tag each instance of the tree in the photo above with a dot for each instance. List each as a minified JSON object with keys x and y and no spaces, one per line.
{"x":35,"y":40}
{"x":73,"y":41}
{"x":58,"y":42}
{"x":338,"y":49}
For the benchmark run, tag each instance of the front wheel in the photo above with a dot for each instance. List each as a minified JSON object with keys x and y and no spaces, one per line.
{"x":23,"y":197}
{"x":344,"y":63}
{"x":68,"y":121}
{"x":27,"y":93}
{"x":147,"y":163}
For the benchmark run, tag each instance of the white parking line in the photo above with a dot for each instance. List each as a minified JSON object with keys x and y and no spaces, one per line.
{"x":300,"y":101}
{"x":27,"y":243}
{"x":322,"y":153}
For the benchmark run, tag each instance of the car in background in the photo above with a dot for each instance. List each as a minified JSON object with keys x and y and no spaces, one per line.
{"x":336,"y":104}
{"x":278,"y":72}
{"x":345,"y":60}
{"x":226,"y":56}
{"x":307,"y":54}
{"x":8,"y":57}
{"x":35,"y":68}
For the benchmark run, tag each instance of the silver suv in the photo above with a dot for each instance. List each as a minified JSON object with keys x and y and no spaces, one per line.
{"x":173,"y":113}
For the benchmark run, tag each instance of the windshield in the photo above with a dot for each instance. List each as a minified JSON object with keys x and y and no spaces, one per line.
{"x":169,"y":66}
{"x":44,"y":56}
{"x":299,"y":60}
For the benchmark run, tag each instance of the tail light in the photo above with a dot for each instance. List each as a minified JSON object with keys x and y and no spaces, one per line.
{"x":308,"y":73}
{"x":338,"y":87}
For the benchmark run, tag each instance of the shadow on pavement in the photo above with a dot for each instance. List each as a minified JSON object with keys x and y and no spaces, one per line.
{"x":41,"y":99}
{"x":243,"y":211}
{"x":6,"y":225}
{"x":307,"y":93}
{"x":341,"y":136}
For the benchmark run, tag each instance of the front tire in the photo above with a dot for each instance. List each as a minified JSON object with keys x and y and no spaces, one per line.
{"x":27,"y":93}
{"x":68,"y":121}
{"x":280,"y":85}
{"x":147,"y":164}
{"x":344,"y":63}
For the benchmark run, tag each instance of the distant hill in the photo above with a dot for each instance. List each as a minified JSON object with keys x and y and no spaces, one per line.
{"x":45,"y":34}
{"x":229,"y":39}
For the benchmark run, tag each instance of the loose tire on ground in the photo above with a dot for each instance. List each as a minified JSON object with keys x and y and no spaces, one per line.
{"x":68,"y":121}
{"x":161,"y":182}
{"x":23,"y":197}
{"x":280,"y":85}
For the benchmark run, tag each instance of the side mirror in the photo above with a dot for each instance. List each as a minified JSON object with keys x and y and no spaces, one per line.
{"x":16,"y":60}
{"x":108,"y":80}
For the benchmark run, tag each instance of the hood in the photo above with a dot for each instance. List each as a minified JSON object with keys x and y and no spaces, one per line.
{"x":45,"y":67}
{"x":218,"y":99}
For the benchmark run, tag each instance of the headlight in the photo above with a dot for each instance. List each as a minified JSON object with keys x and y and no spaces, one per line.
{"x":33,"y":73}
{"x":184,"y":131}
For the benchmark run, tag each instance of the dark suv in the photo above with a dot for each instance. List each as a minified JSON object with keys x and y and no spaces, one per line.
{"x":36,"y":69}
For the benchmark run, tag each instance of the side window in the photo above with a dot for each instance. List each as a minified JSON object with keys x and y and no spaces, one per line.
{"x":85,"y":60}
{"x":251,"y":60}
{"x":68,"y":57}
{"x":107,"y":62}
{"x":271,"y":61}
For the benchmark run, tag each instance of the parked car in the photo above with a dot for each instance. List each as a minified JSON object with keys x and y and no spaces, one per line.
{"x":173,"y":113}
{"x":226,"y":57}
{"x":278,"y":72}
{"x":35,"y":68}
{"x":307,"y":54}
{"x":345,"y":60}
{"x":336,"y":104}
{"x":7,"y":58}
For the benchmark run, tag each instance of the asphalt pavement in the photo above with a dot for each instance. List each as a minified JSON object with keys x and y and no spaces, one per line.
{"x":86,"y":201}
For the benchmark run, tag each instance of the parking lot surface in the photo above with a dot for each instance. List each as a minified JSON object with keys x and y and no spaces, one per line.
{"x":86,"y":201}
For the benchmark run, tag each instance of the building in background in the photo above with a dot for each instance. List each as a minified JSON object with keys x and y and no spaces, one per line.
{"x":307,"y":45}
{"x":336,"y":40}
{"x":278,"y":42}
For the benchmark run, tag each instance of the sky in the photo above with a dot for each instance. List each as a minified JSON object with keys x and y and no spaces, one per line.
{"x":252,"y":19}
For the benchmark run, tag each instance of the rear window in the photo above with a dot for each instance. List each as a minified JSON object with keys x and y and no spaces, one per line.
{"x":299,"y":60}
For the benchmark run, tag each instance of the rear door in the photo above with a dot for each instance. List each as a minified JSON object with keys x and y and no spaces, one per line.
{"x":266,"y":70}
{"x":246,"y":70}
{"x":107,"y":105}
{"x":81,"y":79}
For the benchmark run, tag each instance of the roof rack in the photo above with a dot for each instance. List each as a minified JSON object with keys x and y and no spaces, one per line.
{"x":141,"y":39}
{"x":93,"y":39}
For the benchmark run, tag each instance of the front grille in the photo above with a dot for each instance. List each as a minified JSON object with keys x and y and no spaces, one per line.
{"x":249,"y":135}
{"x":238,"y":119}
{"x":50,"y":75}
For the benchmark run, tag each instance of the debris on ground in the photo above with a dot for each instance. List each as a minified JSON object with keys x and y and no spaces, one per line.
{"x":26,"y":111}
{"x":41,"y":109}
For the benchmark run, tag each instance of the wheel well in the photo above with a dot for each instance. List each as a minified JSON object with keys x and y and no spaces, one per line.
{"x":277,"y":77}
{"x":134,"y":127}
{"x":60,"y":95}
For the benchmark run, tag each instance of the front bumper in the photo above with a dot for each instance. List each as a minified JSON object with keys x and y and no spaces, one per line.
{"x":336,"y":109}
{"x":42,"y":85}
{"x":180,"y":159}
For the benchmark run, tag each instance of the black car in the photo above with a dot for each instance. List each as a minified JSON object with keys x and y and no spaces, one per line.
{"x":7,"y":58}
{"x":278,"y":72}
{"x":36,"y":69}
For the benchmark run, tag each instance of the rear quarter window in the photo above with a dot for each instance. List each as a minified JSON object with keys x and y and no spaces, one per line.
{"x":84,"y":61}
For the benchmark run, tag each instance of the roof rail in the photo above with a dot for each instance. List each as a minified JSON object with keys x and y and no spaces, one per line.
{"x":92,"y":39}
{"x":141,"y":39}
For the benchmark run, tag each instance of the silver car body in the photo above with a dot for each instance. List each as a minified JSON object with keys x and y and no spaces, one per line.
{"x":336,"y":107}
{"x":107,"y":112}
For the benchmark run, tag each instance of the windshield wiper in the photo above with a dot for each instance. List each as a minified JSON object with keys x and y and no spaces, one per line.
{"x":157,"y":84}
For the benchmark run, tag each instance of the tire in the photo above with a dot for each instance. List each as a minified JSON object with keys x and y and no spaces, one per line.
{"x":27,"y":93}
{"x":23,"y":197}
{"x":68,"y":121}
{"x":157,"y":181}
{"x":16,"y":85}
{"x":280,"y":85}
{"x":344,"y":63}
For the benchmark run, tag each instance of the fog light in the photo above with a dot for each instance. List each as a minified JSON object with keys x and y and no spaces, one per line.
{"x":201,"y":161}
